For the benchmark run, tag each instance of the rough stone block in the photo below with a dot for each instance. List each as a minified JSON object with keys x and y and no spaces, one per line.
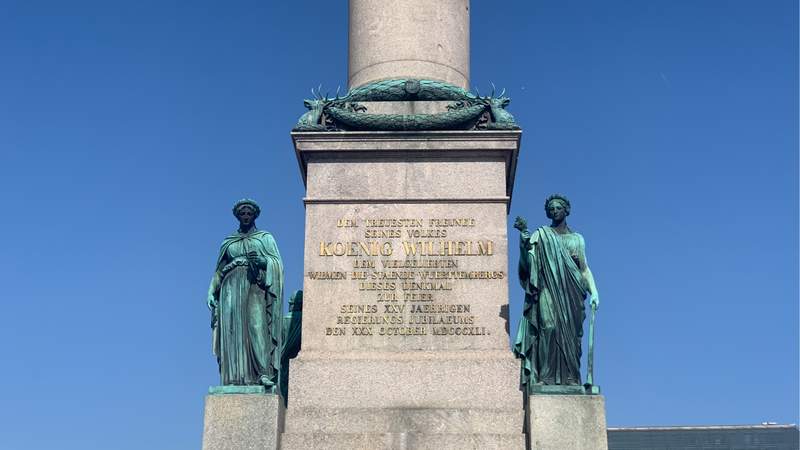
{"x":482,"y":380}
{"x":575,"y":422}
{"x":242,"y":421}
{"x":409,"y":420}
{"x":402,"y":441}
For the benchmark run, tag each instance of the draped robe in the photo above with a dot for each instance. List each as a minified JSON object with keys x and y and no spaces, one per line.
{"x":248,"y":326}
{"x":549,"y":336}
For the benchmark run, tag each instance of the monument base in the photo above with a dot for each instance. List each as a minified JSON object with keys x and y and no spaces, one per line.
{"x":403,"y":428}
{"x":576,"y":422}
{"x":237,"y":421}
{"x":402,"y":441}
{"x":463,"y":400}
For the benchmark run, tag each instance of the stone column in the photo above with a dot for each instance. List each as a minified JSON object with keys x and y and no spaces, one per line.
{"x":409,"y":38}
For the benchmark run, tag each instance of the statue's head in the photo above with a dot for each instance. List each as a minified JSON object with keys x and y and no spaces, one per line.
{"x":246,"y":211}
{"x":554,"y":203}
{"x":312,"y":103}
{"x":318,"y":102}
{"x":501,"y":102}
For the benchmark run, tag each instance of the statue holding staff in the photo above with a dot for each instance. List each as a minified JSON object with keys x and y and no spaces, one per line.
{"x":556,"y":278}
{"x":245,"y":298}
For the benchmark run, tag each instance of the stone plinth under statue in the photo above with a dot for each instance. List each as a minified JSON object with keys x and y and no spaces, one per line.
{"x":242,"y":421}
{"x":575,"y":422}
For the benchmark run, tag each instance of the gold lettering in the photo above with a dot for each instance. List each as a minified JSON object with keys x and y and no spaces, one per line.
{"x":353,"y":248}
{"x":358,"y":309}
{"x":376,"y":286}
{"x":393,"y":309}
{"x":335,"y":331}
{"x":327,"y":275}
{"x":325,"y":249}
{"x":410,"y":248}
{"x":346,"y":223}
{"x":363,"y":264}
{"x":339,"y":249}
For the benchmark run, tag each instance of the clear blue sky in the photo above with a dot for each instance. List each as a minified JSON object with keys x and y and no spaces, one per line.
{"x":128,"y":129}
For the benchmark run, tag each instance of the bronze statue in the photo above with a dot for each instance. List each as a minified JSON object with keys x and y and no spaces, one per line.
{"x":245,"y":297}
{"x":556,"y":278}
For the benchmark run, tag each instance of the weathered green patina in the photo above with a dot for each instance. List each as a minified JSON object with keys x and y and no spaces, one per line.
{"x":467,"y":112}
{"x":232,"y":389}
{"x":556,"y":278}
{"x":245,"y":298}
{"x":292,"y":334}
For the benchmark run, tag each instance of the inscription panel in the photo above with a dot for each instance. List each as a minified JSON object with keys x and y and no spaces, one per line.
{"x":405,"y":277}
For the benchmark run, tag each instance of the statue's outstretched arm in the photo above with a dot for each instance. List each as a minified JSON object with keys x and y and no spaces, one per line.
{"x":595,"y":296}
{"x":526,"y":239}
{"x":588,"y":276}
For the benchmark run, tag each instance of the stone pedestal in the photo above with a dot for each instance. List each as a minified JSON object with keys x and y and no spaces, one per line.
{"x":242,"y":421}
{"x":575,"y":422}
{"x":405,"y":334}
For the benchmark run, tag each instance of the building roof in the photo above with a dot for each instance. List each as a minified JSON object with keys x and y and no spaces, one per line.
{"x":729,"y":437}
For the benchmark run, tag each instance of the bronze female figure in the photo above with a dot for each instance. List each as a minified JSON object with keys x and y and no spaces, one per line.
{"x":245,"y":297}
{"x":556,"y":278}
